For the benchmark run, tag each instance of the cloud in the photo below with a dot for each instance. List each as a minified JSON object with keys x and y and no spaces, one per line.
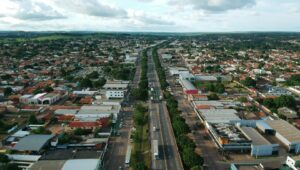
{"x":214,"y":5}
{"x":36,"y":11}
{"x":91,"y":7}
{"x":149,"y":19}
{"x":145,"y":1}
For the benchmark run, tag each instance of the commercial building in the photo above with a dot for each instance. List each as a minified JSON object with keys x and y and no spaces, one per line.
{"x":188,"y":87}
{"x":95,"y":112}
{"x":293,"y":162}
{"x":259,"y":145}
{"x":166,"y":56}
{"x":288,"y":134}
{"x":33,"y":143}
{"x":116,"y":85}
{"x":218,"y":115}
{"x":115,"y":94}
{"x":228,"y":137}
{"x":176,"y":71}
{"x":216,"y":104}
{"x":41,"y":98}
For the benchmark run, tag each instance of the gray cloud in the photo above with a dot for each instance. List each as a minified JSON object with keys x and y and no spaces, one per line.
{"x":155,"y":20}
{"x":91,"y":7}
{"x":34,"y":11}
{"x":214,"y":5}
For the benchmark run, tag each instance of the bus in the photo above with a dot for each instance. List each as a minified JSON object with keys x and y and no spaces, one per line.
{"x":155,"y":149}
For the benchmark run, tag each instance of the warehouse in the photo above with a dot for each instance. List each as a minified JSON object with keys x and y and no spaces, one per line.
{"x":228,"y":137}
{"x":219,"y":115}
{"x":259,"y":145}
{"x":188,"y":87}
{"x":286,"y":133}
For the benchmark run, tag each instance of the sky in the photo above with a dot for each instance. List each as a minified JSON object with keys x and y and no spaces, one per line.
{"x":150,"y":15}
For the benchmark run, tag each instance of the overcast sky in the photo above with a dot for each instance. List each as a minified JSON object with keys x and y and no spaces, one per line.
{"x":150,"y":15}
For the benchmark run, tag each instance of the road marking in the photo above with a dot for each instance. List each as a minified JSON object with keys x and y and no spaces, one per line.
{"x":160,"y":130}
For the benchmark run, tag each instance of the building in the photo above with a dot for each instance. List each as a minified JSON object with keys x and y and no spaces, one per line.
{"x":41,"y":98}
{"x":176,"y":71}
{"x":293,"y":162}
{"x":33,"y":143}
{"x":246,"y":166}
{"x":86,"y":164}
{"x":216,"y":104}
{"x":276,"y":91}
{"x":116,"y":85}
{"x":259,"y":145}
{"x":85,"y":125}
{"x":95,"y":112}
{"x":287,"y":113}
{"x":115,"y":94}
{"x":166,"y":56}
{"x":70,"y":159}
{"x":218,"y":115}
{"x":187,"y":76}
{"x":288,"y":134}
{"x":228,"y":137}
{"x":188,"y":87}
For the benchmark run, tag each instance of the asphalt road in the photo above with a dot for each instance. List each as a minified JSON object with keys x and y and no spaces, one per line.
{"x":159,"y":117}
{"x":116,"y":154}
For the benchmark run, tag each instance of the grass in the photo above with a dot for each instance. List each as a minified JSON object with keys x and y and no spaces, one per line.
{"x":142,"y":148}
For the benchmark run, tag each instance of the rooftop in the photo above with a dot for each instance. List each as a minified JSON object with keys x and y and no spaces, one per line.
{"x":288,"y":131}
{"x":219,"y":115}
{"x":86,"y":164}
{"x":254,"y":136}
{"x":32,"y":142}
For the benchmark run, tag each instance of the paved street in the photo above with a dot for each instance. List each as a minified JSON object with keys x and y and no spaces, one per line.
{"x":116,"y":153}
{"x":159,"y":117}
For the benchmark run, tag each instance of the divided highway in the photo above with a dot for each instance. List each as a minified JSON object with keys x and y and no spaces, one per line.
{"x":169,"y":157}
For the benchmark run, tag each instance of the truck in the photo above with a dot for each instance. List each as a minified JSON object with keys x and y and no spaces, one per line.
{"x":154,"y":129}
{"x":155,"y":149}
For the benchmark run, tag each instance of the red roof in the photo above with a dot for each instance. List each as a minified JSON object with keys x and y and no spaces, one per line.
{"x":79,"y":124}
{"x":66,"y":118}
{"x":204,"y":106}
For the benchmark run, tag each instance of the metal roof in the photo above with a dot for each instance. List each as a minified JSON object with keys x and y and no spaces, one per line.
{"x":219,"y":115}
{"x":188,"y":85}
{"x":86,"y":164}
{"x":65,"y":111}
{"x":285,"y":129}
{"x":32,"y":142}
{"x":254,"y":136}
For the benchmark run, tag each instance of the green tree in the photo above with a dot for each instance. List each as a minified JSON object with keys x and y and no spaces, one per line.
{"x":213,"y":96}
{"x":33,"y":119}
{"x":197,"y":167}
{"x":285,"y":101}
{"x":8,"y":91}
{"x":191,"y":159}
{"x":86,"y":82}
{"x":48,"y":89}
{"x":249,"y":82}
{"x":4,"y":158}
{"x":100,"y":82}
{"x":10,"y":166}
{"x":220,"y":88}
{"x":93,"y":75}
{"x":140,"y":166}
{"x":41,"y":130}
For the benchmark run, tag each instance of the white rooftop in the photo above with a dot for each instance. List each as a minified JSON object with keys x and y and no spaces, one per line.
{"x":80,"y":164}
{"x":219,"y":115}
